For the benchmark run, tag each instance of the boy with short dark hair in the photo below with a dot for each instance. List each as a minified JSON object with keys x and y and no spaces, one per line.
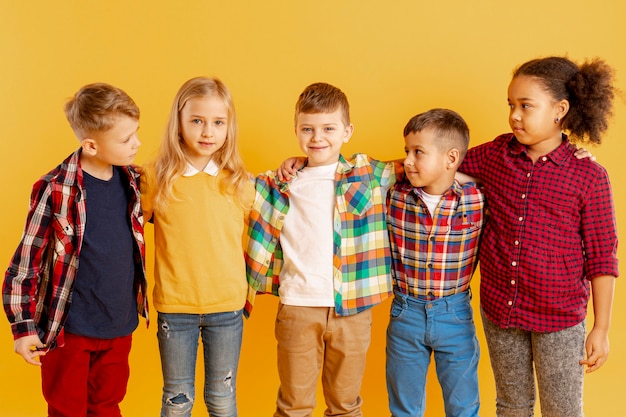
{"x":434,"y":227}
{"x":320,"y":243}
{"x":78,"y":317}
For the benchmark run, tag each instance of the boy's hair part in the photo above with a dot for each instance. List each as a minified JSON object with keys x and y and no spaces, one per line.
{"x":323,"y":98}
{"x":95,"y":107}
{"x":588,"y":88}
{"x":448,"y":125}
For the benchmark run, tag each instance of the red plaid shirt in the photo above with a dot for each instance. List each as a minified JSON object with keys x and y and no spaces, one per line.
{"x":37,"y":289}
{"x":551,"y":229}
{"x":434,"y":255}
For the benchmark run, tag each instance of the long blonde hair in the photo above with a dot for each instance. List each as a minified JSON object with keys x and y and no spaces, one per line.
{"x":171,"y":161}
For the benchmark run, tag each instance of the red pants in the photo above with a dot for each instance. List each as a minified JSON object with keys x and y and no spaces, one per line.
{"x":86,"y":377}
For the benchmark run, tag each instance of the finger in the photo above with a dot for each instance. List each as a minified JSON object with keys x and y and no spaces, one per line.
{"x":32,"y":357}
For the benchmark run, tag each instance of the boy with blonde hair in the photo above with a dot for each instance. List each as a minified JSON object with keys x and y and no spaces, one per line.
{"x":320,"y":243}
{"x":434,"y":227}
{"x":78,"y":321}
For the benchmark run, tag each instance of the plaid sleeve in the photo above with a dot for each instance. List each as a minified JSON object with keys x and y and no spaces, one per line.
{"x":262,"y":252}
{"x":599,"y":229}
{"x":21,"y":282}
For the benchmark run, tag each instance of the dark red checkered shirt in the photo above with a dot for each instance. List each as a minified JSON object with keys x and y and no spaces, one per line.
{"x":551,"y":228}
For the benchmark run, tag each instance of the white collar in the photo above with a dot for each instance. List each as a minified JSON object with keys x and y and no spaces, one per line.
{"x":211,"y":168}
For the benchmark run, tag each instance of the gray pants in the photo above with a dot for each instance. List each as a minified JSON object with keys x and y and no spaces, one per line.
{"x":555,"y":357}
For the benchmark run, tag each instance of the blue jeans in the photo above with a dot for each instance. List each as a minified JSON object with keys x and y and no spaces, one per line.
{"x":178,"y":336}
{"x":419,"y":328}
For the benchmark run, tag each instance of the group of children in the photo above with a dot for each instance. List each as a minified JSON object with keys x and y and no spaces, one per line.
{"x":331,"y":237}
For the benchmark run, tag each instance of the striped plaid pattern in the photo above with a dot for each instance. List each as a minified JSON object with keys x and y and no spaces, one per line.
{"x":38,"y":282}
{"x":434,"y":256}
{"x":361,"y":273}
{"x":551,"y":229}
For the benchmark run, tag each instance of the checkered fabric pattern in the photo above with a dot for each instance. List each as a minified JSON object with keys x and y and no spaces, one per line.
{"x":434,"y":255}
{"x":361,"y":272}
{"x":551,"y":228}
{"x":38,"y":282}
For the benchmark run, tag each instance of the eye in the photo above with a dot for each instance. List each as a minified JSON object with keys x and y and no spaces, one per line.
{"x":306,"y":129}
{"x":196,"y":121}
{"x":219,"y":123}
{"x":526,"y":106}
{"x":330,"y":129}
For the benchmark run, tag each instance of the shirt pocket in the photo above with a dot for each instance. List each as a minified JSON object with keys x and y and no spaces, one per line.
{"x":63,"y":235}
{"x":358,"y":198}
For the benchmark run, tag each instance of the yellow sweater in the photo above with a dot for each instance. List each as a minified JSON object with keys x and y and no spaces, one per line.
{"x":199,"y":263}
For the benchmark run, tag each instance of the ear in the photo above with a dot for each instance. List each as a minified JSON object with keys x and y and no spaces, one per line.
{"x":90,"y":147}
{"x":562,"y":107}
{"x":453,"y":157}
{"x":348,"y":133}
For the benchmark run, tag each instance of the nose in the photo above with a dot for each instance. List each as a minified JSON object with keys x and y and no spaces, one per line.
{"x":514,"y":114}
{"x":206,"y":131}
{"x":136,"y":142}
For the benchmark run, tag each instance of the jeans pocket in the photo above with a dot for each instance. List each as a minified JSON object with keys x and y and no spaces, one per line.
{"x":463,"y":313}
{"x":397,"y":309}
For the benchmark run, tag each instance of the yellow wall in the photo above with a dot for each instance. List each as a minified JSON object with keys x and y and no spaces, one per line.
{"x":392,"y":58}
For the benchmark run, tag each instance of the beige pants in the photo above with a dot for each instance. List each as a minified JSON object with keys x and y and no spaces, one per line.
{"x":313,"y":338}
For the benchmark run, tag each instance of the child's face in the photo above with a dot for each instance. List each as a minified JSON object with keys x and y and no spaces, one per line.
{"x":118,"y":145}
{"x":426,"y":164}
{"x":321,"y":135}
{"x":533,"y":113}
{"x":204,"y":127}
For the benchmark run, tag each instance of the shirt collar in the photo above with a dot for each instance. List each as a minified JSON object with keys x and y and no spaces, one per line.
{"x":557,"y":156}
{"x":455,"y":188}
{"x":211,"y":168}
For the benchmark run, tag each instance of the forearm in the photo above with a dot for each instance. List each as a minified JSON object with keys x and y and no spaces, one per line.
{"x":602,"y":290}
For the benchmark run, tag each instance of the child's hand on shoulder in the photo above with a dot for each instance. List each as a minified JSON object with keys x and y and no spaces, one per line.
{"x":27,"y":347}
{"x":582,"y":153}
{"x":289,"y":168}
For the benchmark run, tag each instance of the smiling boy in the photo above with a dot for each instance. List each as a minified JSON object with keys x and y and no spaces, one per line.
{"x":320,"y":243}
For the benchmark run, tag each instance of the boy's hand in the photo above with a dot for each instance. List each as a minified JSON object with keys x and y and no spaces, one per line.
{"x":290,"y":167}
{"x":138,"y":168}
{"x":582,"y":153}
{"x":597,"y":349}
{"x":27,"y":347}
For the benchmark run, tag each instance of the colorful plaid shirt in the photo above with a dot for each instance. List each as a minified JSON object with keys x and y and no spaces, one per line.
{"x":361,"y":276}
{"x":38,"y":283}
{"x":551,"y":229}
{"x":434,"y":255}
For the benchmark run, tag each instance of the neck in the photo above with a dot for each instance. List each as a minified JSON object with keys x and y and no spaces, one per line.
{"x":95,"y":168}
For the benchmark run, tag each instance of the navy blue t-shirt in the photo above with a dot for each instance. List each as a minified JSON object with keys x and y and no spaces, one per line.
{"x":104,"y":303}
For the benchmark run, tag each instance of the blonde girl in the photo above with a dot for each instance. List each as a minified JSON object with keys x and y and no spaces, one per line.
{"x":197,"y":193}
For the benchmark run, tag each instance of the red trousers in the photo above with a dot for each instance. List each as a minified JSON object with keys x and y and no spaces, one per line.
{"x":86,"y":377}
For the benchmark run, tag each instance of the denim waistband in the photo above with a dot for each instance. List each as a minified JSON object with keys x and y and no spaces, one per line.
{"x":450,"y":300}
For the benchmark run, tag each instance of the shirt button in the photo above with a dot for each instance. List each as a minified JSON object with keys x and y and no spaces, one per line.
{"x":514,"y":263}
{"x":512,"y":282}
{"x":510,"y":303}
{"x":523,"y":196}
{"x":516,"y":242}
{"x":528,"y":175}
{"x":430,"y":265}
{"x":520,"y":218}
{"x":544,"y":159}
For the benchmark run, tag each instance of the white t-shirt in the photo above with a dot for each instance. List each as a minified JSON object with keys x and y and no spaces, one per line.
{"x":431,"y":201}
{"x":306,"y":278}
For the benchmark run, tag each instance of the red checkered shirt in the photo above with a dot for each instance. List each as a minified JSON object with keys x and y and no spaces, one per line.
{"x":551,"y":228}
{"x":37,"y":289}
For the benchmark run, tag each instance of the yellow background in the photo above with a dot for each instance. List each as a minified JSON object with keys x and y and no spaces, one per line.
{"x":392,"y":58}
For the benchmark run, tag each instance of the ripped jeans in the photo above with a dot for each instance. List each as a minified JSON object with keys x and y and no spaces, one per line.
{"x":178,"y":336}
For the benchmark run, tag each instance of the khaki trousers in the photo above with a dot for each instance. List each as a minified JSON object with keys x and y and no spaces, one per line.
{"x":311,"y":339}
